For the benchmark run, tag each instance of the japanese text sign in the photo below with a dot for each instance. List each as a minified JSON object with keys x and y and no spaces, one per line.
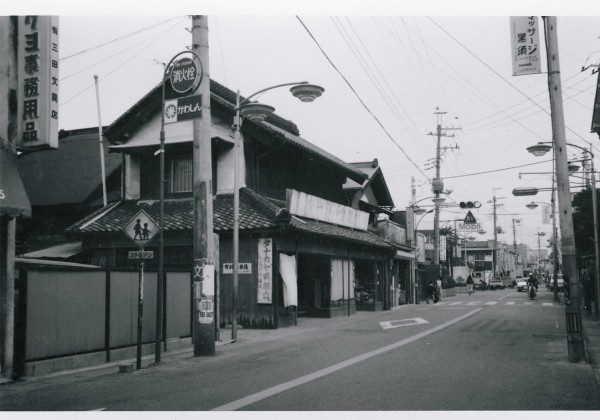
{"x":525,"y":45}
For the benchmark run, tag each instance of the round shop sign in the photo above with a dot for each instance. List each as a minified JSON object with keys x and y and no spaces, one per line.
{"x":186,"y":74}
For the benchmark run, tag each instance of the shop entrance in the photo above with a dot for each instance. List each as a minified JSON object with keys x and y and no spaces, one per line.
{"x":314,"y":284}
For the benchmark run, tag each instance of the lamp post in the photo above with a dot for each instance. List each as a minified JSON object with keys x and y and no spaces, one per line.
{"x":159,"y":292}
{"x":424,"y":213}
{"x":534,"y":205}
{"x":254,"y":112}
{"x":542,"y":148}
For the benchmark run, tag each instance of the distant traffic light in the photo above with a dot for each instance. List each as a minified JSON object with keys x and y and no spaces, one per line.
{"x":470,"y":204}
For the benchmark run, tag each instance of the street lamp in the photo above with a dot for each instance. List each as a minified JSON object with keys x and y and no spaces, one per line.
{"x":414,"y":234}
{"x":255,"y":112}
{"x":539,"y":150}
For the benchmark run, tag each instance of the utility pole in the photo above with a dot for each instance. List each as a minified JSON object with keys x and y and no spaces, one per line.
{"x":576,"y":346}
{"x":495,"y":247}
{"x":437,"y":186}
{"x":203,"y":269}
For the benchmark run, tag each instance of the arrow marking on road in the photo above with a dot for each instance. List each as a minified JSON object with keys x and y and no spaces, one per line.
{"x":386,"y":325}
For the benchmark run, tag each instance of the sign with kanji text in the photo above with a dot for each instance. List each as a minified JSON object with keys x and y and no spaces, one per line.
{"x":525,"y":45}
{"x":243,"y":268}
{"x":186,"y":74}
{"x":205,"y":311}
{"x":37,"y":95}
{"x":141,"y":229}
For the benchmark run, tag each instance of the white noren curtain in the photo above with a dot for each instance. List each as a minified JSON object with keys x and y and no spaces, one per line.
{"x":287,"y":269}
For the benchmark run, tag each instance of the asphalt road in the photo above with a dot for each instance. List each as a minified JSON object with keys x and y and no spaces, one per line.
{"x":494,"y":350}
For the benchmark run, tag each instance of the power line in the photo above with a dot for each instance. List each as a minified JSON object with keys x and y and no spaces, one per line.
{"x":360,"y":99}
{"x":497,"y":170}
{"x":118,"y":39}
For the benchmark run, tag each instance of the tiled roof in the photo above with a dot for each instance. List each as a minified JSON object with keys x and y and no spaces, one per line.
{"x":256,"y":213}
{"x":179,"y":215}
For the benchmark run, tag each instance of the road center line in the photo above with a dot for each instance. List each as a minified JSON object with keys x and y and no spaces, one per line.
{"x":269,"y":392}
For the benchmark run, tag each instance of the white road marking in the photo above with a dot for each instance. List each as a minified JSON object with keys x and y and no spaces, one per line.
{"x":269,"y":392}
{"x":547,"y":304}
{"x":386,"y":325}
{"x":509,"y":303}
{"x":473,"y":303}
{"x":491,"y":303}
{"x":455,"y":303}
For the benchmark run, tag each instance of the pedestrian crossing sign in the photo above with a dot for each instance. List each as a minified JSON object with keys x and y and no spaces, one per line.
{"x":469,"y":218}
{"x":141,"y":229}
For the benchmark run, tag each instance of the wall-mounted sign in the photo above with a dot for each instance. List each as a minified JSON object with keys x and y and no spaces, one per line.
{"x":243,"y":268}
{"x":37,"y":93}
{"x":265,"y":271}
{"x":205,"y":312}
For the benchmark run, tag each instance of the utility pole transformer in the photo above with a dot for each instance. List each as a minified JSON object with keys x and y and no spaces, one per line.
{"x":203,"y":268}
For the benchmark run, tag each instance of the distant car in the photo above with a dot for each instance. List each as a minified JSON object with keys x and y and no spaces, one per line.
{"x":496,"y":284}
{"x":560,"y":283}
{"x":521,"y":284}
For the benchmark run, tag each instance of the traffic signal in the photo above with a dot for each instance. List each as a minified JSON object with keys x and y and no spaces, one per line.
{"x":469,"y":204}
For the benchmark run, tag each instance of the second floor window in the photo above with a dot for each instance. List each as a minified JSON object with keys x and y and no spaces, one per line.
{"x":180,"y":180}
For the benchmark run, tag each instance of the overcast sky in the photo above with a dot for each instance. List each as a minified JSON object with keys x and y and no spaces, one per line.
{"x":387,"y":74}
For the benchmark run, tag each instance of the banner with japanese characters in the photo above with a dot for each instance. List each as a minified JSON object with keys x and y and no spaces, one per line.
{"x":265,"y":271}
{"x":525,"y":45}
{"x":37,"y":93}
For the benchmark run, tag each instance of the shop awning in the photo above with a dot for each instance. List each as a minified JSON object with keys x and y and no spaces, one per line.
{"x":13,"y":198}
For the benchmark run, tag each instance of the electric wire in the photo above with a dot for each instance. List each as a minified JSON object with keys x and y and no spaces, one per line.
{"x":118,"y":39}
{"x":360,"y":99}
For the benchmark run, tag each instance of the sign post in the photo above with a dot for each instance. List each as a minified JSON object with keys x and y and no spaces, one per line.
{"x":141,"y":229}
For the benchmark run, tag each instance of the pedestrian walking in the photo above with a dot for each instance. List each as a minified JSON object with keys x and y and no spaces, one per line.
{"x":430,"y":290}
{"x":469,"y":285}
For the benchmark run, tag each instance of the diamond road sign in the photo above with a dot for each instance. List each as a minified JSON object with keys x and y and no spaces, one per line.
{"x":141,"y":229}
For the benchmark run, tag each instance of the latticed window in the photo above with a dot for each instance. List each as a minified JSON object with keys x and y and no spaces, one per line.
{"x":181,"y":175}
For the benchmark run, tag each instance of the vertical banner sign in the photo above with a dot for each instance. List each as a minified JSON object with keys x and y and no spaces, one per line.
{"x":525,"y":45}
{"x":265,"y":270}
{"x":546,"y":213}
{"x":442,"y":248}
{"x":37,"y":94}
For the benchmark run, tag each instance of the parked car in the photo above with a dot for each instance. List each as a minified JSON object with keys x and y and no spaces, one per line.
{"x":521,"y":284}
{"x":560,"y":283}
{"x":496,"y":284}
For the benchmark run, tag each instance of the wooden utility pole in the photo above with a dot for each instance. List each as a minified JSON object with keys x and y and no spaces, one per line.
{"x":437,"y":188}
{"x":569,"y":262}
{"x":8,"y":116}
{"x":203,"y":268}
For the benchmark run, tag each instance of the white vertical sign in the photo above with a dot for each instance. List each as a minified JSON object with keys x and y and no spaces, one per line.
{"x":546,"y":213}
{"x":525,"y":45}
{"x":442,"y":248}
{"x":265,"y":271}
{"x":37,"y":93}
